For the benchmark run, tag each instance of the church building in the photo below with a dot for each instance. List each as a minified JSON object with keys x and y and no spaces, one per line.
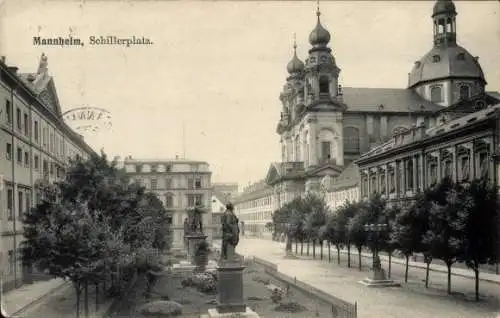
{"x":325,"y":127}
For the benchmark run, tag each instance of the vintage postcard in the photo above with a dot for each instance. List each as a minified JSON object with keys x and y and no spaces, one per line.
{"x":249,"y":158}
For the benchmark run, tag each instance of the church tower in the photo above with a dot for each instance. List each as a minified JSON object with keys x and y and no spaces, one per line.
{"x":448,"y":73}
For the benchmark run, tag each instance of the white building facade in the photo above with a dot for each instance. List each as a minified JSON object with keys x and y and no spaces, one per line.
{"x":180,"y":185}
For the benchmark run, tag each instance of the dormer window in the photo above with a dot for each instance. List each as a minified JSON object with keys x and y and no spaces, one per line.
{"x":464,"y":92}
{"x":436,"y":58}
{"x":436,"y":94}
{"x":461,"y":56}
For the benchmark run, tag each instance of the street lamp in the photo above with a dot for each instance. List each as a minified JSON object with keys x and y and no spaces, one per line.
{"x":375,"y":230}
{"x":379,"y":279}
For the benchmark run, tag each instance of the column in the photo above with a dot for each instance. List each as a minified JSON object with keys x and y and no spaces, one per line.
{"x":421,"y":171}
{"x":438,"y":161}
{"x":313,"y":158}
{"x":454,"y":165}
{"x":414,"y":172}
{"x":397,"y":173}
{"x":387,"y":176}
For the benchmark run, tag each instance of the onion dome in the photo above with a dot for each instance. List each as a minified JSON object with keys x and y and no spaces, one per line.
{"x":295,"y":65}
{"x":444,"y":7}
{"x":320,"y":35}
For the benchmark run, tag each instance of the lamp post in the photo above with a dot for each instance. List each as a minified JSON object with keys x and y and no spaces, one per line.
{"x":379,"y":278}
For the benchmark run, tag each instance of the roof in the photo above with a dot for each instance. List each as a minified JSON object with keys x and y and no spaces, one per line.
{"x":392,"y":100}
{"x":349,"y":177}
{"x":445,"y":62}
{"x":41,"y":90}
{"x":220,"y":196}
{"x":279,"y":171}
{"x":256,"y":190}
{"x":410,"y":137}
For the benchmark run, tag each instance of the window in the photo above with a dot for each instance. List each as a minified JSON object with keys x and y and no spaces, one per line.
{"x":483,"y":164}
{"x":52,"y":169}
{"x":409,"y":175}
{"x":20,"y":204}
{"x":190,"y":200}
{"x":26,"y":124}
{"x":8,"y":152}
{"x":436,"y":58}
{"x":198,"y":199}
{"x":351,"y":140}
{"x":325,"y":150}
{"x":382,"y":184}
{"x":373,"y":184}
{"x":8,"y":112}
{"x":35,"y":132}
{"x":197,"y":183}
{"x":28,"y":202}
{"x":36,"y":162}
{"x":18,"y":118}
{"x":465,"y":167}
{"x":154,"y":184}
{"x":26,"y":158}
{"x":168,"y":183}
{"x":19,"y":155}
{"x":168,"y":168}
{"x":464,"y":92}
{"x":436,"y":94}
{"x":139,"y":182}
{"x":461,"y":56}
{"x":447,"y":169}
{"x":11,"y":265}
{"x":169,"y":201}
{"x":190,"y":183}
{"x":10,"y":204}
{"x":45,"y":168}
{"x":324,"y":84}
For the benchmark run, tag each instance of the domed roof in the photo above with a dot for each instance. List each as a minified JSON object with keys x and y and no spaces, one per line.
{"x":319,"y":35}
{"x":444,"y":62}
{"x":444,"y":6}
{"x":295,"y":65}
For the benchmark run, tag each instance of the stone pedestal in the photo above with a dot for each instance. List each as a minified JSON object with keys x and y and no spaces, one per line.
{"x":379,"y":280}
{"x":230,"y":298}
{"x":248,"y":313}
{"x":193,"y":240}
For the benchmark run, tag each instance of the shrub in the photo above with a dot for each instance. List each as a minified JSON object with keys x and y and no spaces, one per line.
{"x":161,"y":307}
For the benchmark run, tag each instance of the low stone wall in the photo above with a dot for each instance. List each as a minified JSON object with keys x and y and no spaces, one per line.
{"x":339,"y":307}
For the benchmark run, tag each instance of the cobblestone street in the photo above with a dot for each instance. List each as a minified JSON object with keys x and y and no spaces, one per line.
{"x":411,"y":300}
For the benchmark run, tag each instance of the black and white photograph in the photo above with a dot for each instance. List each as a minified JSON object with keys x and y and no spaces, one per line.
{"x":249,"y":158}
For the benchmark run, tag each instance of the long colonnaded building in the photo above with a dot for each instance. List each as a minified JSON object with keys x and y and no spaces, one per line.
{"x":35,"y":144}
{"x":180,"y":184}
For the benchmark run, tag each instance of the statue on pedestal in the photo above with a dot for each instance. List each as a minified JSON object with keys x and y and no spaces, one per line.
{"x":230,"y":233}
{"x":195,"y":225}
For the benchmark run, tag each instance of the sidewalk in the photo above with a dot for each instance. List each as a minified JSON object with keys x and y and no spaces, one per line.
{"x":14,"y":301}
{"x":411,"y":300}
{"x":460,"y":272}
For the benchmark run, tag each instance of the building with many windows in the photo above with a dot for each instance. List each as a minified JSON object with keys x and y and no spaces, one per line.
{"x":229,"y":189}
{"x":35,"y":144}
{"x":254,"y":208}
{"x":324,"y":127}
{"x":180,"y":184}
{"x":343,"y":188}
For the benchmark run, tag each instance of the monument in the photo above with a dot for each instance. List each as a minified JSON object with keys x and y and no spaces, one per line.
{"x":230,"y":298}
{"x":379,"y":277}
{"x":194,"y":233}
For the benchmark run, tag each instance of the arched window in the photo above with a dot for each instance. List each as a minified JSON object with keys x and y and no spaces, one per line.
{"x":436,"y":94}
{"x":464,"y":92}
{"x":409,"y":175}
{"x":351,"y":140}
{"x":324,"y":85}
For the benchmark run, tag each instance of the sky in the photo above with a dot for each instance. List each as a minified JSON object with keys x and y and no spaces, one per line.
{"x":216,"y":68}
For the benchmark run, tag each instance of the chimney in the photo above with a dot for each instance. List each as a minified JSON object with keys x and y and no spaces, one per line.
{"x":420,"y":131}
{"x":13,"y":69}
{"x":2,"y":58}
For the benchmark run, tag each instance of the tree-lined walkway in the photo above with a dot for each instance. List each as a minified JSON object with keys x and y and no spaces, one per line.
{"x":412,"y":300}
